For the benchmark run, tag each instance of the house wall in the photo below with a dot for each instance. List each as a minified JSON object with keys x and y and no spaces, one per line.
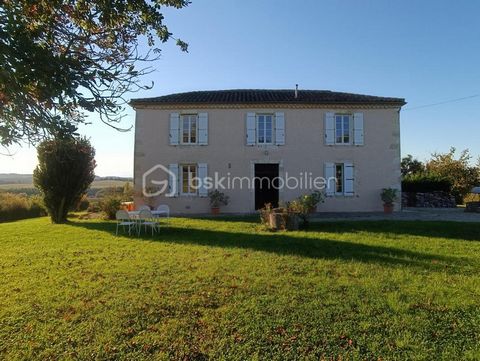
{"x":376,"y":163}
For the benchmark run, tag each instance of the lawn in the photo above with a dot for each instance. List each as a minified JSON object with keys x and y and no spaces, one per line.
{"x":225,"y":289}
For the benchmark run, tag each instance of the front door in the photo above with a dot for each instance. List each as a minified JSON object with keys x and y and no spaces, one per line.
{"x":266,"y":185}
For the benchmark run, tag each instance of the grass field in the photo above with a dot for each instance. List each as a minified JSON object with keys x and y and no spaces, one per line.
{"x":225,"y":289}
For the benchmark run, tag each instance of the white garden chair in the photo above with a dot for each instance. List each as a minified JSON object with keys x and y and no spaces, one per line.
{"x":124,"y":220}
{"x":143,"y":208}
{"x":146,"y":219}
{"x":164,"y":209}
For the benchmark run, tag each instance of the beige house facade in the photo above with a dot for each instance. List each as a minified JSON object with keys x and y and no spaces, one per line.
{"x":266,"y":146}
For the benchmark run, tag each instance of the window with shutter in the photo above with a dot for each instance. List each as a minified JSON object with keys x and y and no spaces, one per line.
{"x":340,"y":179}
{"x":188,"y":179}
{"x":264,"y":128}
{"x":189,"y":128}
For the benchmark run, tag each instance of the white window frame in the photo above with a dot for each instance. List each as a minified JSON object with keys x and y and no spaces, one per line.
{"x":192,"y":190}
{"x":257,"y":116}
{"x":182,"y":116}
{"x":342,"y":178}
{"x":350,"y":129}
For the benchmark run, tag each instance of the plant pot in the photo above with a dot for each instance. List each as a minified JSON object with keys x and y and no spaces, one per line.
{"x":215,"y":210}
{"x":277,"y":221}
{"x":388,"y":208}
{"x":312,"y":209}
{"x":292,"y":222}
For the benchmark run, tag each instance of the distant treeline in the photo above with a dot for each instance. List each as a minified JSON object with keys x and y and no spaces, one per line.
{"x":13,"y":178}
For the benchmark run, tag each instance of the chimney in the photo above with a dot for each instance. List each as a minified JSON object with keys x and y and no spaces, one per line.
{"x":296,"y":91}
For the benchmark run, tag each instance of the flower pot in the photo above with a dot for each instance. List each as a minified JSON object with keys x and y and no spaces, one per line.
{"x":215,"y":210}
{"x":312,"y":209}
{"x":277,"y":221}
{"x":292,"y":222}
{"x":388,"y":208}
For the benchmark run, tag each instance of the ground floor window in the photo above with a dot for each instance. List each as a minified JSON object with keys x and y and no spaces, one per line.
{"x":189,"y":179}
{"x":339,"y":172}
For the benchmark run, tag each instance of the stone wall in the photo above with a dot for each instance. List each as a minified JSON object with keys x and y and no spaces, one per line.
{"x":428,"y":200}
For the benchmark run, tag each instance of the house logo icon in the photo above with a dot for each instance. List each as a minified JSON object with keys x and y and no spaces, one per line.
{"x":153,"y":188}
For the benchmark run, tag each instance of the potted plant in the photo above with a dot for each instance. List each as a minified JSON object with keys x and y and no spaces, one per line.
{"x":217,"y":199}
{"x":389,"y":196}
{"x":312,"y":200}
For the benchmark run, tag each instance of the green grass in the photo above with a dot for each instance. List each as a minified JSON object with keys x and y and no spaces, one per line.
{"x":225,"y":289}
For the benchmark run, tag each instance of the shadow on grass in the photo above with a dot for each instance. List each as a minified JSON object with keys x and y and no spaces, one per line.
{"x":288,"y":244}
{"x":462,"y":231}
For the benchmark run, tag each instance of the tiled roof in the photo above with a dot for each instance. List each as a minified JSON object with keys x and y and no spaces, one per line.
{"x":256,"y":96}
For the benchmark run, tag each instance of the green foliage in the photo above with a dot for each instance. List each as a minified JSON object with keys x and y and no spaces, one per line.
{"x":304,"y":205}
{"x":389,"y":195}
{"x":204,"y":289}
{"x":83,"y":204}
{"x":65,"y":171}
{"x":94,"y":207}
{"x":110,"y":205}
{"x":61,"y":59}
{"x":20,"y":206}
{"x":127,"y":192}
{"x":426,"y":183}
{"x":461,"y":174}
{"x":218,"y":198}
{"x":411,"y":166}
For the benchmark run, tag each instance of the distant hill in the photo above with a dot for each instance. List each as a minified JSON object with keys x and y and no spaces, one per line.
{"x":23,"y":183}
{"x":13,"y":178}
{"x":27,"y":179}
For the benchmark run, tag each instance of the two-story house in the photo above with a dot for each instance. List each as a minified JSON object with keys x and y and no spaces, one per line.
{"x":292,"y":137}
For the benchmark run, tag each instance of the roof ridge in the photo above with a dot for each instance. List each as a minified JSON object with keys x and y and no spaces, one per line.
{"x":250,"y":96}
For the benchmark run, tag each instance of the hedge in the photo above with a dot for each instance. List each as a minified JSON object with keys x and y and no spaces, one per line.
{"x":20,"y":206}
{"x":426,"y":183}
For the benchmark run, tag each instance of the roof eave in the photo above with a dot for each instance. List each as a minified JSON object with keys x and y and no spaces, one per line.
{"x":140,"y":102}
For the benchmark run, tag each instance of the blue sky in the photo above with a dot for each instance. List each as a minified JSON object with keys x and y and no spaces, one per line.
{"x":423,"y":51}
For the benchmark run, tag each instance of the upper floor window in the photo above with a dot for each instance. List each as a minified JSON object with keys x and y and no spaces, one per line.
{"x":343,"y":125}
{"x":265,"y":129}
{"x":189,"y":129}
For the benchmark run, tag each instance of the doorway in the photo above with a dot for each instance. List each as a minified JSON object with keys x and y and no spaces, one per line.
{"x":266,"y":185}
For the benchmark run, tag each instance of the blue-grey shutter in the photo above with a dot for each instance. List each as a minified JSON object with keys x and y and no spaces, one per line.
{"x":173,"y":181}
{"x":203,"y":128}
{"x":348,"y":179}
{"x":330,"y":179}
{"x":202,"y":175}
{"x":251,"y":129}
{"x":358,"y":137}
{"x":280,"y":128}
{"x":329,"y":128}
{"x":174,"y":128}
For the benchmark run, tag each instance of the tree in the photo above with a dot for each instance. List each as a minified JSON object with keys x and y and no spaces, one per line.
{"x":62,"y":58}
{"x":462,"y":175}
{"x":65,"y":171}
{"x":411,"y":166}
